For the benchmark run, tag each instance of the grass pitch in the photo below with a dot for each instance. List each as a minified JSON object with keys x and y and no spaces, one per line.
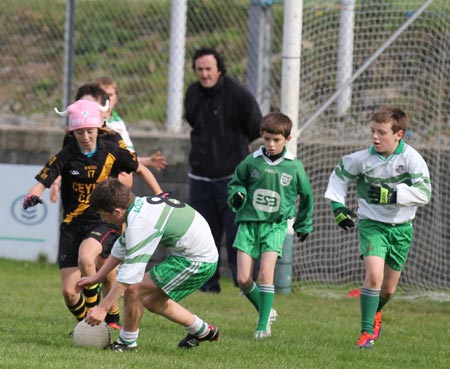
{"x":316,"y":328}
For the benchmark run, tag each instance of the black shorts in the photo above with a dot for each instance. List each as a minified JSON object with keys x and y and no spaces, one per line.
{"x":72,"y":235}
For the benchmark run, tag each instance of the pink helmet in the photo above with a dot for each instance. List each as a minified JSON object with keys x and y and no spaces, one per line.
{"x":84,"y":114}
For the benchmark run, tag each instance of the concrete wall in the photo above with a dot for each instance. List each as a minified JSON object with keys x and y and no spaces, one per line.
{"x":21,"y":145}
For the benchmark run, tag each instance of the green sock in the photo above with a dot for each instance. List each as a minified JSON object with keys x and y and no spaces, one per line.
{"x":369,"y":303}
{"x":266,"y":297}
{"x":381,"y":303}
{"x":252,"y":294}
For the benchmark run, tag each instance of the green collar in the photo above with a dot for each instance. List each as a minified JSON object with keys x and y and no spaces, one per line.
{"x":114,"y":117}
{"x":400,"y":148}
{"x":130,"y":207}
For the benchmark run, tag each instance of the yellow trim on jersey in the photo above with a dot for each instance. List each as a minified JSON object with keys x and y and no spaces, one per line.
{"x":104,"y":174}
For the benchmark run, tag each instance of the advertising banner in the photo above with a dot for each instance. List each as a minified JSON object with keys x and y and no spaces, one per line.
{"x":30,"y":234}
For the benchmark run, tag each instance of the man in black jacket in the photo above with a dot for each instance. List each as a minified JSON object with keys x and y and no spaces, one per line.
{"x":225,"y":118}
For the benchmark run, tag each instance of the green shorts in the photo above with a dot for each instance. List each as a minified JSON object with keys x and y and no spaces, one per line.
{"x":178,"y":277}
{"x":390,"y":242}
{"x":254,"y":238}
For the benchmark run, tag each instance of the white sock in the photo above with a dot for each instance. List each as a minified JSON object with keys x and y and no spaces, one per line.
{"x":128,"y":338}
{"x":198,"y":327}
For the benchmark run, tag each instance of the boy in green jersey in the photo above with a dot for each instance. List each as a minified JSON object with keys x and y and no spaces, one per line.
{"x":392,"y":180}
{"x":263,"y":193}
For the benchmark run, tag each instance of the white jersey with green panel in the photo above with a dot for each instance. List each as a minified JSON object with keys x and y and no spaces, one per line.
{"x":405,"y":171}
{"x":118,"y":125}
{"x":270,"y":189}
{"x":174,"y":224}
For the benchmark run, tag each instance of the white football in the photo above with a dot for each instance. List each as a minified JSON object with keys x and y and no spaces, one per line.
{"x":91,"y":336}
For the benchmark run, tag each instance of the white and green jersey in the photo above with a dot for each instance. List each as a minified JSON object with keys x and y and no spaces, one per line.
{"x":405,"y":171}
{"x":270,"y":190}
{"x":174,"y":224}
{"x":118,"y":125}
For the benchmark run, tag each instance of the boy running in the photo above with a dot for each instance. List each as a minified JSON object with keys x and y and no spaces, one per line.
{"x":392,"y":180}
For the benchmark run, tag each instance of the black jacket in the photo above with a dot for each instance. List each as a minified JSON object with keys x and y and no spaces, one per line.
{"x":224,"y":120}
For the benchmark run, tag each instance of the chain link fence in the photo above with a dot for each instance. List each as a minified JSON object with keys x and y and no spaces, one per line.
{"x":129,"y":41}
{"x":412,"y":72}
{"x":126,"y":40}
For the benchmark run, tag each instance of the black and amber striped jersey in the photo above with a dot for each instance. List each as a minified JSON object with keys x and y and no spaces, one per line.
{"x":80,"y":174}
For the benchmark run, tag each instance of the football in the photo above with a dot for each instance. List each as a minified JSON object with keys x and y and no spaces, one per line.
{"x":91,"y":336}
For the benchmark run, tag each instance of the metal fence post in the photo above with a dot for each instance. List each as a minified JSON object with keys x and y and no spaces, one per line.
{"x":176,"y":65}
{"x":290,"y":91}
{"x":68,"y":54}
{"x":259,"y":52}
{"x":345,"y":54}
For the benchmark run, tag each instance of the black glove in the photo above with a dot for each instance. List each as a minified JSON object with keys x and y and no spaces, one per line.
{"x":382,"y":195}
{"x":344,"y":218}
{"x":302,"y":236}
{"x":237,"y":200}
{"x":31,"y":200}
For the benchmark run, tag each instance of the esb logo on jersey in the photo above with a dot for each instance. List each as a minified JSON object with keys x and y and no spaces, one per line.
{"x":266,"y":200}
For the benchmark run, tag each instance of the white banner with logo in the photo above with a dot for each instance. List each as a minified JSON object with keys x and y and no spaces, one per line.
{"x":26,"y":234}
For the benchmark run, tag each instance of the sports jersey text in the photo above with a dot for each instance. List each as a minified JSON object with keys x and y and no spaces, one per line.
{"x":90,"y":170}
{"x":88,"y":120}
{"x":44,"y":173}
{"x":83,"y":190}
{"x":266,"y":200}
{"x":138,"y":205}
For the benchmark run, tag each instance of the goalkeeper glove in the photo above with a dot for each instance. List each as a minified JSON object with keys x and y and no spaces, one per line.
{"x":382,"y":195}
{"x":344,"y":218}
{"x":237,"y":200}
{"x":31,"y":200}
{"x":302,"y":236}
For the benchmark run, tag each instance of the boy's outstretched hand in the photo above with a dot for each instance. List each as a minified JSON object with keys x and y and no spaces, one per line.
{"x":344,"y":218}
{"x":158,"y":161}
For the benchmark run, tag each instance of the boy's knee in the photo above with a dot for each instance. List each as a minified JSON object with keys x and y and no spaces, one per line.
{"x":387,"y":293}
{"x":266,"y":275}
{"x":131,"y":293}
{"x":85,"y":262}
{"x":244,"y":283}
